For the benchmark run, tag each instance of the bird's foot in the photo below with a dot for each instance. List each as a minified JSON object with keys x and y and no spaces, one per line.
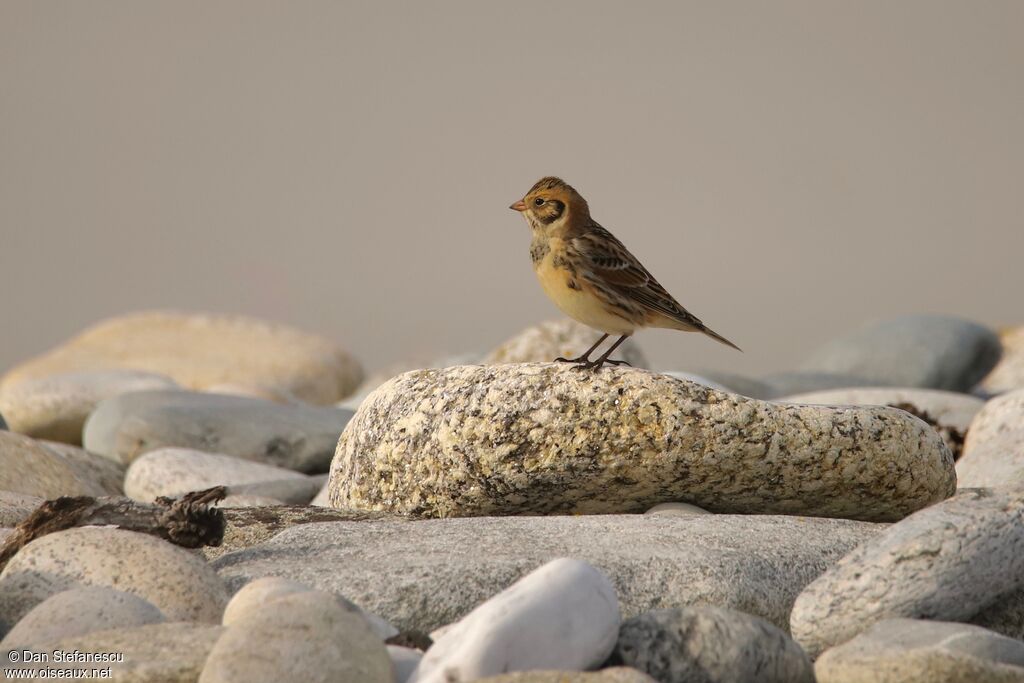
{"x":580,"y":359}
{"x":618,"y":362}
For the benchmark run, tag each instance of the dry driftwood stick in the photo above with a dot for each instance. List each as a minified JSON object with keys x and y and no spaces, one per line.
{"x":188,"y":521}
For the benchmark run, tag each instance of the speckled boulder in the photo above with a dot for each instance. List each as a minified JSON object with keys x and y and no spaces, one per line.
{"x":949,"y":412}
{"x":200,"y":350}
{"x":548,"y":438}
{"x":710,"y":645}
{"x":994,"y":448}
{"x":950,"y":561}
{"x":563,"y":338}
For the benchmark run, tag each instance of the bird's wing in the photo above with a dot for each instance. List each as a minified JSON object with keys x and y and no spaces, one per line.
{"x":607,"y":261}
{"x":607,"y":258}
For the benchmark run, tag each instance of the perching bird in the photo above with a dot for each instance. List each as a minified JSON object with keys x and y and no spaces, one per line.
{"x":591,"y":276}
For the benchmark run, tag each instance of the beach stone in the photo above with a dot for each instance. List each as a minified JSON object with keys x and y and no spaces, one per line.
{"x":994,"y":447}
{"x":710,"y":645}
{"x":3,"y":423}
{"x":547,"y":439}
{"x":36,"y":469}
{"x":199,"y":350}
{"x":948,"y":562}
{"x":307,"y":636}
{"x":153,"y":653}
{"x":437,"y":571}
{"x":276,"y":395}
{"x":404,"y":661}
{"x":676,"y":510}
{"x":178,"y":583}
{"x":563,"y":338}
{"x":15,"y":507}
{"x":563,"y":615}
{"x":55,"y":407}
{"x":949,"y":413}
{"x":79,"y":611}
{"x":618,"y":674}
{"x":926,"y":351}
{"x":260,"y":594}
{"x":300,"y":438}
{"x":107,"y":474}
{"x":175,"y":471}
{"x":914,"y":651}
{"x":1008,"y":374}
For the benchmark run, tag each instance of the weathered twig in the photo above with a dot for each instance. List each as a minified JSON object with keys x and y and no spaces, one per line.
{"x":188,"y":521}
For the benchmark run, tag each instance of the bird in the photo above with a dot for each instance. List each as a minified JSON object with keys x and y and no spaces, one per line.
{"x":591,"y":276}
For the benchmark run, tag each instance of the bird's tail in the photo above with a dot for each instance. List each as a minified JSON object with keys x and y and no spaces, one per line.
{"x":719,"y":338}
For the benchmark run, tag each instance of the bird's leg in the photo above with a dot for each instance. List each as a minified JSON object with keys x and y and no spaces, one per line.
{"x":584,"y":358}
{"x":596,"y":364}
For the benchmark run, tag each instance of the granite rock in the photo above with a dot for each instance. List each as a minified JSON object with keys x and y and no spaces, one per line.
{"x":259,"y":595}
{"x":563,"y":615}
{"x":55,"y":407}
{"x":994,"y":447}
{"x":79,"y":611}
{"x":199,"y":350}
{"x":174,"y":471}
{"x":710,"y":645}
{"x":307,"y":636}
{"x":178,"y":583}
{"x":564,"y":338}
{"x":950,"y":562}
{"x":547,"y":439}
{"x":948,"y":412}
{"x":912,"y":651}
{"x":420,"y":575}
{"x":154,"y":653}
{"x":295,"y":437}
{"x":35,"y":468}
{"x":926,"y":351}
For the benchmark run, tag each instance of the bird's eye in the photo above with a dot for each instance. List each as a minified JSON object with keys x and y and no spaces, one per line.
{"x":538,"y":201}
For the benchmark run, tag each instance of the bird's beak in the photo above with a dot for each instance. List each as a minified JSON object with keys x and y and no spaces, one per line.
{"x":518,"y":206}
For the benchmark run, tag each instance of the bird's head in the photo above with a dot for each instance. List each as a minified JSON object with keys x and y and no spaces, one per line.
{"x":551,"y":203}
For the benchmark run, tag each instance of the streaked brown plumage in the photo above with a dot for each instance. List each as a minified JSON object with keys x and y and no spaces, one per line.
{"x":591,"y":276}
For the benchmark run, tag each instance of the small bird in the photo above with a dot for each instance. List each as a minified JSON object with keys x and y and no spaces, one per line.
{"x":591,"y":276}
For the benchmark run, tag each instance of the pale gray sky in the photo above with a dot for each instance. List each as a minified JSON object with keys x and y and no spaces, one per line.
{"x":786,"y":169}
